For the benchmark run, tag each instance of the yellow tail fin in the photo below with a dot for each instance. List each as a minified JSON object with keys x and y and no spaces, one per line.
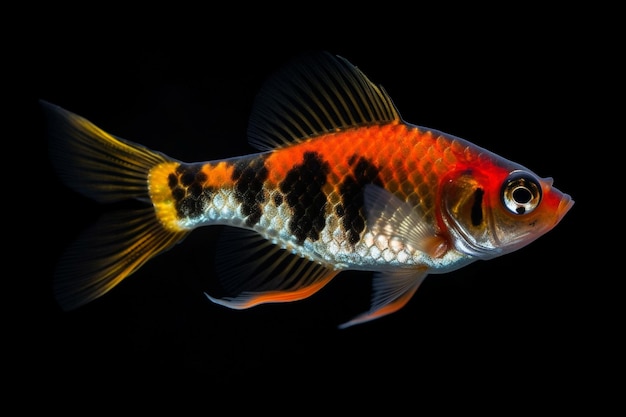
{"x":107,"y":169}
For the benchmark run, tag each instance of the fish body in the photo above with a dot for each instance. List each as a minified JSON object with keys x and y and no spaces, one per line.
{"x":340,"y":182}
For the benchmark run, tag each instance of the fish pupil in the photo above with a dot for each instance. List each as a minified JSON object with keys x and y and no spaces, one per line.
{"x":522,"y":195}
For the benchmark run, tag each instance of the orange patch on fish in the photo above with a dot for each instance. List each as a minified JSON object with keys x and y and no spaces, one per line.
{"x":218,"y":175}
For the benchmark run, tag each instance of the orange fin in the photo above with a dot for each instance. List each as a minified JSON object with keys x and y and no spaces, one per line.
{"x":392,"y":290}
{"x":103,"y":255}
{"x":256,"y":271}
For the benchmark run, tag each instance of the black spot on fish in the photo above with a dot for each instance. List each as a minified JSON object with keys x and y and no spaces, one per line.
{"x":477,"y":207}
{"x":187,"y":178}
{"x":201,"y":177}
{"x":195,"y":190}
{"x":278,"y":199}
{"x":188,"y":190}
{"x":351,"y":190}
{"x":249,"y":176}
{"x":172,"y":181}
{"x":303,"y":193}
{"x":178,"y":193}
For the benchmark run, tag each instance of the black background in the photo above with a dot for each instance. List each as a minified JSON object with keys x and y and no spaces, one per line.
{"x":492,"y":324}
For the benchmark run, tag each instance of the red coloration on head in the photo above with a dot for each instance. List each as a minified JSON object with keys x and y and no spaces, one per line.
{"x":493,"y":206}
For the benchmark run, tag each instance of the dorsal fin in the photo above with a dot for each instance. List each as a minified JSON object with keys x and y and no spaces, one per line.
{"x":316,"y":94}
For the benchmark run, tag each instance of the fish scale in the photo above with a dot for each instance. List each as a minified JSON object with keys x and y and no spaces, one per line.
{"x":340,"y":235}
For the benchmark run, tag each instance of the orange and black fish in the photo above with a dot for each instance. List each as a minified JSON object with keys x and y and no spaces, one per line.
{"x":341,"y":182}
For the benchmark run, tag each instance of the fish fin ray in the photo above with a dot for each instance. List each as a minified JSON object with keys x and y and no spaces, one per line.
{"x":391,"y":292}
{"x":114,"y":247}
{"x":316,"y":94}
{"x":255,"y":271}
{"x":394,"y":218}
{"x":94,"y":163}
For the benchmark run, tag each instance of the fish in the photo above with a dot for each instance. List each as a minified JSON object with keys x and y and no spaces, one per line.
{"x":339,"y":181}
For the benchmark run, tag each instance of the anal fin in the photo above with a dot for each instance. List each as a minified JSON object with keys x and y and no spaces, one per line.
{"x":254,"y":271}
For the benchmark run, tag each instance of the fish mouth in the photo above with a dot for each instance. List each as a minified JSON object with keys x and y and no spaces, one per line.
{"x":565,"y":200}
{"x":564,"y":206}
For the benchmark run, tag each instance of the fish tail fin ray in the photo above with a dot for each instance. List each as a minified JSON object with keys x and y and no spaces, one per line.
{"x":114,"y":247}
{"x":94,"y":163}
{"x":108,"y":170}
{"x":392,"y":290}
{"x":256,"y":271}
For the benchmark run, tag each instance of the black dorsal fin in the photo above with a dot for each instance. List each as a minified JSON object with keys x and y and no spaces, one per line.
{"x":316,"y":94}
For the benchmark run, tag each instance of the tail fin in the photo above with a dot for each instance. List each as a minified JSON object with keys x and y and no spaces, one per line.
{"x":107,"y":169}
{"x":91,"y":161}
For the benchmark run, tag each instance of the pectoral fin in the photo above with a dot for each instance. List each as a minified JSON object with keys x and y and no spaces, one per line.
{"x":392,"y":290}
{"x":392,"y":217}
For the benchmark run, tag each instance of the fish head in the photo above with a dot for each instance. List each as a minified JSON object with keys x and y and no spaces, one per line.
{"x":491,"y":210}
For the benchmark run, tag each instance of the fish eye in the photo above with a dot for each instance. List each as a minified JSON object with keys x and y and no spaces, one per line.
{"x":521,"y":192}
